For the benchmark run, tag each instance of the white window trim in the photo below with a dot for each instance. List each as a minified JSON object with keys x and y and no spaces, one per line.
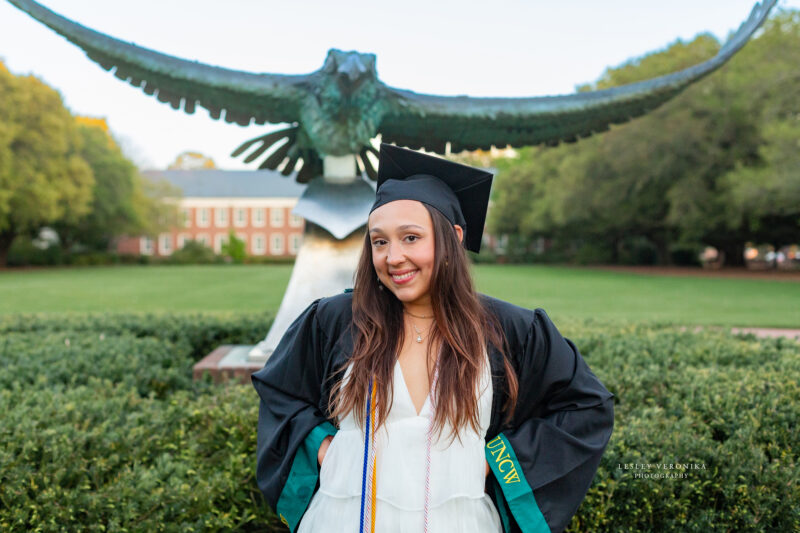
{"x":263,"y":241}
{"x":276,"y":221}
{"x":186,"y":212}
{"x":295,"y":221}
{"x":236,"y":212}
{"x":144,"y":249}
{"x":276,"y":250}
{"x":256,"y":222}
{"x":200,"y":222}
{"x":219,"y":240}
{"x":219,"y":213}
{"x":165,"y":244}
{"x":295,"y":241}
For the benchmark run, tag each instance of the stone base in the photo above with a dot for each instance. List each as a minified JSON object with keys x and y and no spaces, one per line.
{"x":227,"y":362}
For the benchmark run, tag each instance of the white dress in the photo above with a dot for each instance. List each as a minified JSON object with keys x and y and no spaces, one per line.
{"x":457,"y":476}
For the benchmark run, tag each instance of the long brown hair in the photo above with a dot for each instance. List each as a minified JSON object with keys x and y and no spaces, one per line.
{"x":462,"y":327}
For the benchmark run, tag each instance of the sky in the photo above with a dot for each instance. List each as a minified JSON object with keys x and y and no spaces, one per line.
{"x":516,"y":48}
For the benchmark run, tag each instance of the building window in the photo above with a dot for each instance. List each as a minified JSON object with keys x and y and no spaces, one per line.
{"x":277,"y":244}
{"x":294,"y":242}
{"x":165,"y":244}
{"x":203,"y":217}
{"x":186,"y":214}
{"x":259,"y":244}
{"x":219,"y":240}
{"x":221,"y":217}
{"x":146,"y":246}
{"x":202,"y":238}
{"x":180,"y":241}
{"x":258,"y":217}
{"x":295,"y":221}
{"x":240,"y":217}
{"x":276,"y":214}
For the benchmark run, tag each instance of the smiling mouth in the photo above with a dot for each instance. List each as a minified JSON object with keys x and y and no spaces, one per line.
{"x":404,"y":278}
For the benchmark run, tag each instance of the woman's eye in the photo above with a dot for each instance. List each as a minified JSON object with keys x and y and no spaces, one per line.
{"x":379,"y":242}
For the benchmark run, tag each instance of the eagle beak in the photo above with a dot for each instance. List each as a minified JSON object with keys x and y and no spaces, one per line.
{"x":351,"y":70}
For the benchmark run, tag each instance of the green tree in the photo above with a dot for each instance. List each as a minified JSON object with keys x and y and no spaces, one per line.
{"x":717,"y":165}
{"x":765,"y":195}
{"x":156,"y":204}
{"x":43,"y":178}
{"x":234,"y":248}
{"x":112,"y":209}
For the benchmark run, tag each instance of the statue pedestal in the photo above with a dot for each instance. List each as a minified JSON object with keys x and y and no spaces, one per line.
{"x":335,"y":215}
{"x":227,"y":362}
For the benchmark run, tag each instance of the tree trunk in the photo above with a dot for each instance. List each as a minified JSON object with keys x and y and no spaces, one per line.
{"x":734,"y":254}
{"x":615,"y":244}
{"x":662,"y":251}
{"x":6,"y":238}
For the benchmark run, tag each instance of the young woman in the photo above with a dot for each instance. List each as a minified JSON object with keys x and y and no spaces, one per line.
{"x":413,"y":403}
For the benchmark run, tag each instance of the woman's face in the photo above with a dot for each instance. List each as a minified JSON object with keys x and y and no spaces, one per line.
{"x":401,"y":236}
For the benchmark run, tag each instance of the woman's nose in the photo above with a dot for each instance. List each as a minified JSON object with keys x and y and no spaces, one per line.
{"x":394,"y":255}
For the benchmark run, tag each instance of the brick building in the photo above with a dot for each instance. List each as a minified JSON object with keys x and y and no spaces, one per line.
{"x":255,"y":204}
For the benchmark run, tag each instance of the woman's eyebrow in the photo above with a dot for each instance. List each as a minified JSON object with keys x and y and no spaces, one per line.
{"x":400,"y":228}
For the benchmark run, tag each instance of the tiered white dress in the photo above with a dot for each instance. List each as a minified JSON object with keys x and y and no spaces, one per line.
{"x":457,"y":498}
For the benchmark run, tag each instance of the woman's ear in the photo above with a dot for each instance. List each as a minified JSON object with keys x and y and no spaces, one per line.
{"x":459,"y":232}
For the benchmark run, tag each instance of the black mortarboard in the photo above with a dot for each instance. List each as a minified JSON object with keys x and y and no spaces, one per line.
{"x":459,"y":192}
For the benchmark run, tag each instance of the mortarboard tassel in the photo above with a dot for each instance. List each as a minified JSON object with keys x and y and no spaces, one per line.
{"x":369,"y":477}
{"x":428,"y":448}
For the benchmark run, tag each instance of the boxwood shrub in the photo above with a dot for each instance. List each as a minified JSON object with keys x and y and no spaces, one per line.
{"x":107,"y":432}
{"x":203,"y":331}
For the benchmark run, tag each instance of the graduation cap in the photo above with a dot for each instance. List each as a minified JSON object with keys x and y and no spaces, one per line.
{"x":459,"y":192}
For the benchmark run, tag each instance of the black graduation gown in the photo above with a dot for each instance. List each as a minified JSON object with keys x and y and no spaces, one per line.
{"x":542,"y":463}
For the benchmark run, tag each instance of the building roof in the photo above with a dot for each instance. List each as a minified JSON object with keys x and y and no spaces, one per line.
{"x":215,"y":183}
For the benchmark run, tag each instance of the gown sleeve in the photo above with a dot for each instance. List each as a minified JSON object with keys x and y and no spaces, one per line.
{"x":544,"y":463}
{"x":291,"y":423}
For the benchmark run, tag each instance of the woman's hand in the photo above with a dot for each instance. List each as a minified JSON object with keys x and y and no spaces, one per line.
{"x":323,"y":448}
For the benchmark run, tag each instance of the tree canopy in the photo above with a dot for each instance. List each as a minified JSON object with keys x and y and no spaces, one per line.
{"x":718,"y":165}
{"x":68,"y":173}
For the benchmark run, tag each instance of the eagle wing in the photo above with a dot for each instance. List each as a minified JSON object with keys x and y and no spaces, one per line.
{"x":244,"y":96}
{"x":469,"y":123}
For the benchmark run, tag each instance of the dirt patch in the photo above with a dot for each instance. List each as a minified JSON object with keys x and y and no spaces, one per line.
{"x":758,"y":332}
{"x":725,"y":272}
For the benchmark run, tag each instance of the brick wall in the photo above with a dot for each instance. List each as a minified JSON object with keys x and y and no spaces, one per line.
{"x":266,"y":230}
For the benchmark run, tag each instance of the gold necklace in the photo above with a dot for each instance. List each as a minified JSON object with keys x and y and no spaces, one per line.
{"x":419,"y":336}
{"x":417,"y":316}
{"x":419,"y":333}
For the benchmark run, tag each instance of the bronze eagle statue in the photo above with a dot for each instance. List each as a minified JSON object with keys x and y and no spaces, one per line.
{"x":339,"y":108}
{"x":334,"y":113}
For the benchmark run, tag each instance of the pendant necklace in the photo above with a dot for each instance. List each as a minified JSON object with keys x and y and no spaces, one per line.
{"x":419,"y":333}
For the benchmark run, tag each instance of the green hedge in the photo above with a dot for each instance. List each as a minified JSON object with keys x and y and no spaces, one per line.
{"x":109,"y":434}
{"x":729,"y":403}
{"x":99,"y":457}
{"x":24,"y":253}
{"x":202,"y":331}
{"x":72,"y":357}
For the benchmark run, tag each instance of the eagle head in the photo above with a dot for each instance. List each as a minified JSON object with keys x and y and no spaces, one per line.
{"x":350,"y":69}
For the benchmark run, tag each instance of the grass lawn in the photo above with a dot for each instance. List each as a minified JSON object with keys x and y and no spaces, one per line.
{"x":565,"y":293}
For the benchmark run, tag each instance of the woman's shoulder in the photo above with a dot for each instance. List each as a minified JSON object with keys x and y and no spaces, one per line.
{"x":518,"y":323}
{"x":334,"y":313}
{"x":508,"y":312}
